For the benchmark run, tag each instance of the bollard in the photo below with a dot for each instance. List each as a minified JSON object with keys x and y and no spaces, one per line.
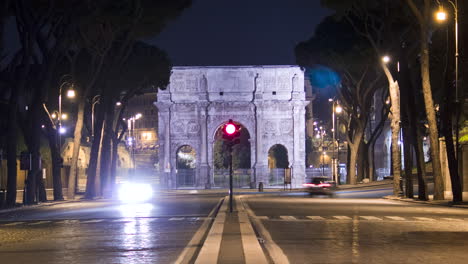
{"x":260,"y":187}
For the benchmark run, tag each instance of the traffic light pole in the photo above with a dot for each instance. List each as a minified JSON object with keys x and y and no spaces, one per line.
{"x":230,"y":176}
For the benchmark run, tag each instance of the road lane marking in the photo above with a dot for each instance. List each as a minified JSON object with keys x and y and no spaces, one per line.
{"x":39,"y":223}
{"x":342,"y":217}
{"x":315,"y":217}
{"x":452,"y":219}
{"x":396,"y":218}
{"x":372,"y":218}
{"x":68,"y":222}
{"x":13,"y":224}
{"x":195,"y":243}
{"x":209,"y":252}
{"x":253,"y":252}
{"x":424,"y":219}
{"x":263,"y":217}
{"x":176,"y":218}
{"x":288,"y":217}
{"x":275,"y":252}
{"x":92,"y":221}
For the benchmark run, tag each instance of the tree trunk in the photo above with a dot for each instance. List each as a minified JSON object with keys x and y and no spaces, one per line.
{"x":12,"y":132}
{"x":115,"y":160}
{"x":451,"y":157}
{"x":420,"y":164}
{"x":362,"y":161}
{"x":76,"y":149}
{"x":370,"y":157}
{"x":408,"y":162}
{"x":106,"y":150}
{"x":56,"y":162}
{"x":430,"y":108}
{"x":353,"y":157}
{"x":94,"y":155}
{"x":396,"y":158}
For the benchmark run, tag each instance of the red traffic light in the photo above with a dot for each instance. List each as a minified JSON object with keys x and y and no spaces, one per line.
{"x":230,"y":128}
{"x":231,"y":131}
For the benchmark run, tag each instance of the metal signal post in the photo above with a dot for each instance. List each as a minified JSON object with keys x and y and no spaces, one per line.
{"x":231,"y":134}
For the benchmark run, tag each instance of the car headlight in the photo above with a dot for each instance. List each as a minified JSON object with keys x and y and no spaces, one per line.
{"x":135,"y":192}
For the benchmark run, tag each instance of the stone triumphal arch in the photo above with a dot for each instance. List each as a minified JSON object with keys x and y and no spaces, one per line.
{"x":269,"y":101}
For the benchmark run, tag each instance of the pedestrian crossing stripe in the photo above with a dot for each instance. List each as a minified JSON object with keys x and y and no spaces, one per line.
{"x":40,"y":223}
{"x":176,"y":218}
{"x":396,"y":218}
{"x":92,"y":221}
{"x":424,"y":219}
{"x":288,"y":217}
{"x":342,"y":217}
{"x":371,"y":218}
{"x":315,"y":217}
{"x":13,"y":224}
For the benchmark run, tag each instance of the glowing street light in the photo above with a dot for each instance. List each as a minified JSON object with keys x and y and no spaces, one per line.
{"x":385,"y":59}
{"x":62,"y":130}
{"x":71,"y":93}
{"x":64,"y":116}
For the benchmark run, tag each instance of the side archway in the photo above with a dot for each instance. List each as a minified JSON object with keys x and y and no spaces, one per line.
{"x":186,"y":165}
{"x":278,"y":164}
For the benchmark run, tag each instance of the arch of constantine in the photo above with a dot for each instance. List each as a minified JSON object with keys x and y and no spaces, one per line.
{"x":269,"y":101}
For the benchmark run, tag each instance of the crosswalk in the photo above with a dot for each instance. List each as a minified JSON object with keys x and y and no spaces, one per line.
{"x":98,"y":221}
{"x":360,"y":217}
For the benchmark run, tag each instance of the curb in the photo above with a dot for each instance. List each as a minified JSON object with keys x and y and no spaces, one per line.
{"x":443,"y":203}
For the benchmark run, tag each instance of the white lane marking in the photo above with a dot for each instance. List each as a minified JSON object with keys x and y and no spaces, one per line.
{"x":342,"y":217}
{"x":176,"y":218}
{"x":263,"y":217}
{"x":452,"y":219}
{"x":209,"y":253}
{"x":253,"y":252}
{"x":372,"y":218}
{"x":92,"y":221}
{"x":315,"y":217}
{"x":288,"y":217}
{"x":68,"y":222}
{"x":13,"y":224}
{"x":396,"y":218}
{"x":39,"y":223}
{"x":424,"y":219}
{"x":273,"y":249}
{"x":187,"y":254}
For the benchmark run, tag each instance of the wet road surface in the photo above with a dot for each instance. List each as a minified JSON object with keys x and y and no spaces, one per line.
{"x":104,"y":231}
{"x":343,"y":230}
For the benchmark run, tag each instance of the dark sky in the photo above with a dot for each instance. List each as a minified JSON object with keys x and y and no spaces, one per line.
{"x":240,"y":32}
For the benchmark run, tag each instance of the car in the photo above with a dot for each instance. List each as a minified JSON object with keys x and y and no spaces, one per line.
{"x":320,"y":186}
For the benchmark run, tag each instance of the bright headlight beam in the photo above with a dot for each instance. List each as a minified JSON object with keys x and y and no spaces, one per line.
{"x":135,"y":192}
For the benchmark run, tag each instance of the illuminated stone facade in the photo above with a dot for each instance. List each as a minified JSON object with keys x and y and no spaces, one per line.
{"x":269,"y":101}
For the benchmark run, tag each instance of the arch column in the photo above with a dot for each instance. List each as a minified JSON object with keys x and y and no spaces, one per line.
{"x":204,"y":171}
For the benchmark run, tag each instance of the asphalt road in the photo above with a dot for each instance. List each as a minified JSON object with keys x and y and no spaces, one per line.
{"x":304,"y":229}
{"x":104,"y":231}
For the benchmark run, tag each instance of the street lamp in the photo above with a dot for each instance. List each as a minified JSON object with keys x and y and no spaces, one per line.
{"x":94,"y":101}
{"x":70,"y":94}
{"x":132,"y":138}
{"x":336,"y":108}
{"x":441,"y":15}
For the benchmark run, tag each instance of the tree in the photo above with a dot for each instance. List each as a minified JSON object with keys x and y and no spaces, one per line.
{"x":352,"y":57}
{"x":423,"y":15}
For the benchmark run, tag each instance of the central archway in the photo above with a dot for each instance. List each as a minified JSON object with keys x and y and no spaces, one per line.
{"x":241,"y":160}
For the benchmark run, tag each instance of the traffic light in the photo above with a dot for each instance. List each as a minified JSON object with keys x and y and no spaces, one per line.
{"x":231,"y":132}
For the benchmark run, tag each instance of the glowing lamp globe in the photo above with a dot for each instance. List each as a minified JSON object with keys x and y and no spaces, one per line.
{"x":230,"y":129}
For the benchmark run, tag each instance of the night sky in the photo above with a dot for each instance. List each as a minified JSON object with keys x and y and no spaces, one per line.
{"x":241,"y":32}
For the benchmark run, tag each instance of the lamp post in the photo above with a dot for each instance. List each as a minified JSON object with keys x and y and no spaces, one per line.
{"x":441,"y":15}
{"x":335,"y":109}
{"x":93,"y":102}
{"x":70,"y":94}
{"x":132,"y":141}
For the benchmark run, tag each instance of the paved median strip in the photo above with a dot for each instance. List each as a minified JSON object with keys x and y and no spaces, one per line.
{"x":210,"y":251}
